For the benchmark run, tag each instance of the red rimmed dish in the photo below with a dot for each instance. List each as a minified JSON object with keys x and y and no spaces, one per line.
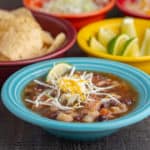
{"x":78,"y":20}
{"x":121,"y":4}
{"x":52,"y":25}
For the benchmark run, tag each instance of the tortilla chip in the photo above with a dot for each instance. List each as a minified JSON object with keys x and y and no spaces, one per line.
{"x":23,"y":40}
{"x":59,"y":41}
{"x":6,"y":19}
{"x":5,"y":15}
{"x":47,"y":38}
{"x":22,"y":12}
{"x":3,"y":58}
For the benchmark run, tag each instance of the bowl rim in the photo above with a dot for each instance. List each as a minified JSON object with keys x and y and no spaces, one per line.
{"x":65,"y":126}
{"x":130,"y":12}
{"x":105,"y":9}
{"x":87,"y":49}
{"x":71,"y":31}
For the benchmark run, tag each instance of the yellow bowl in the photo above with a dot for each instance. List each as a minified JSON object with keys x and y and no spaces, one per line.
{"x":85,"y":33}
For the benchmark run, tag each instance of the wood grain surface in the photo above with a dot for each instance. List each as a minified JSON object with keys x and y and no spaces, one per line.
{"x":18,"y":135}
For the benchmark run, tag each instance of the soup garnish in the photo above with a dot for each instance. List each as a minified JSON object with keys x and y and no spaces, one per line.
{"x":72,"y":95}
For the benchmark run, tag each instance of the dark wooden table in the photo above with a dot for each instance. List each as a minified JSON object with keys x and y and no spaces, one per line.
{"x":18,"y":135}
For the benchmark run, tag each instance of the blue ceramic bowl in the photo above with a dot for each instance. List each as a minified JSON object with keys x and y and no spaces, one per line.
{"x":12,"y":91}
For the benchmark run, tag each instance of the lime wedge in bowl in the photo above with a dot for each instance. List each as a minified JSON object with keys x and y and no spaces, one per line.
{"x":105,"y":35}
{"x":57,"y":71}
{"x":116,"y":45}
{"x":96,"y":45}
{"x":128,"y":27}
{"x":145,"y":49}
{"x":131,"y":48}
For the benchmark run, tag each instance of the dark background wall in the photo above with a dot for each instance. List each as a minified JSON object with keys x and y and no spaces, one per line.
{"x":8,"y":4}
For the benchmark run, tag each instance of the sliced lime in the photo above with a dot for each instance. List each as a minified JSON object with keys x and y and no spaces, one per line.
{"x":131,"y":48}
{"x":116,"y":45}
{"x":105,"y":35}
{"x":128,"y":27}
{"x":58,"y":71}
{"x":145,"y":49}
{"x":96,"y":45}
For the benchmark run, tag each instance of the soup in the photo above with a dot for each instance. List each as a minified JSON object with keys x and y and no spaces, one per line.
{"x":71,"y":95}
{"x":136,"y":5}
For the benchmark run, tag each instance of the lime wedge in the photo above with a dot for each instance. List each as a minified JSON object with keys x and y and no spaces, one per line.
{"x":145,"y":49}
{"x":105,"y":35}
{"x":131,"y":48}
{"x":96,"y":45}
{"x":58,"y":71}
{"x":128,"y":27}
{"x":116,"y":45}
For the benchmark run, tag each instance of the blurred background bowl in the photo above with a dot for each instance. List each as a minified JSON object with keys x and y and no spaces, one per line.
{"x":12,"y":91}
{"x":84,"y":34}
{"x":78,"y":20}
{"x":52,"y":25}
{"x":121,"y":6}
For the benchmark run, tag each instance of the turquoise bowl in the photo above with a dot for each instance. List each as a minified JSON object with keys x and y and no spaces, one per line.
{"x":13,"y":87}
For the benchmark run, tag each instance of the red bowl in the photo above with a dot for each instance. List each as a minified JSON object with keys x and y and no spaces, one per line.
{"x":50,"y":24}
{"x":121,"y":5}
{"x":78,"y":20}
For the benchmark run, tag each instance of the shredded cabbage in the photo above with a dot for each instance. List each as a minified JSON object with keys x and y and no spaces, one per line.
{"x":72,"y":6}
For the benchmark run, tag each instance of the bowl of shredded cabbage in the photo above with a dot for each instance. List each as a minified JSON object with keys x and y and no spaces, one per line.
{"x":78,"y":12}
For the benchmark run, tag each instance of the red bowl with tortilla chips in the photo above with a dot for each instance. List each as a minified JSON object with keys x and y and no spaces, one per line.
{"x":52,"y":25}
